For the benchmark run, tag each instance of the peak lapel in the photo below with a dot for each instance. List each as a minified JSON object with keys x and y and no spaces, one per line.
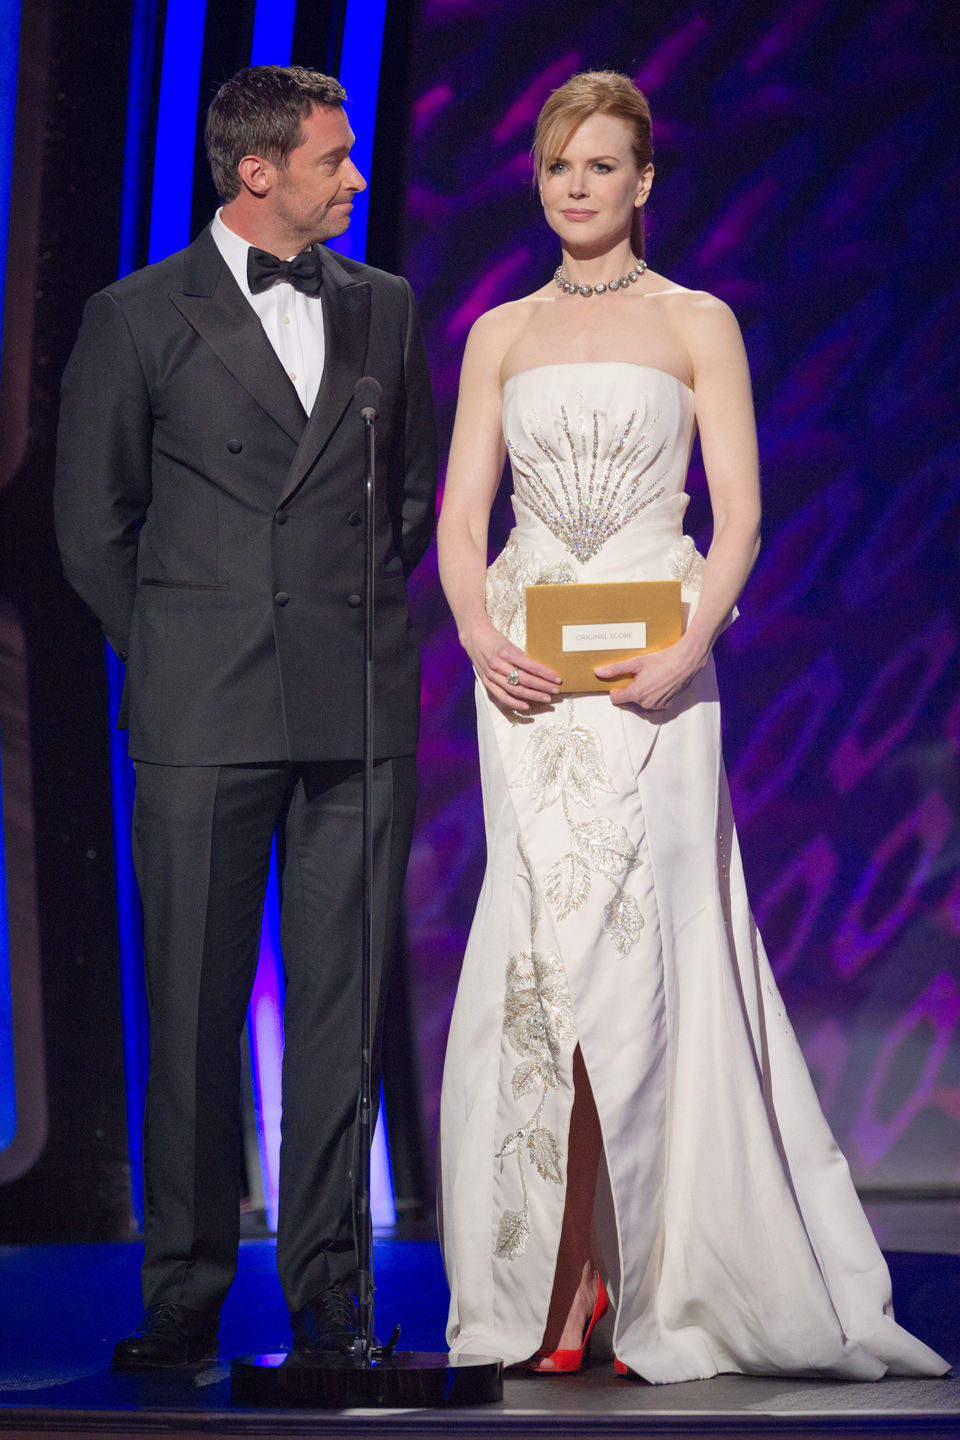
{"x":346,"y":322}
{"x":213,"y":304}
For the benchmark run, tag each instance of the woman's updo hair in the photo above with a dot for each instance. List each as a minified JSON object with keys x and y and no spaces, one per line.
{"x":593,"y":92}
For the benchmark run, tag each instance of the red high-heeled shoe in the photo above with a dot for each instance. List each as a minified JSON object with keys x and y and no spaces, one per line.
{"x":566,"y":1362}
{"x":625,"y":1370}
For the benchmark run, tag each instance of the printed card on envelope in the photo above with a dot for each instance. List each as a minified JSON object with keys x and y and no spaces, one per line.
{"x":575,"y":627}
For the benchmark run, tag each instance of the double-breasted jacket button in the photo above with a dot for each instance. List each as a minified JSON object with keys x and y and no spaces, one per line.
{"x":354,"y":601}
{"x":281,"y":597}
{"x":234,"y":446}
{"x":354,"y":518}
{"x":281,"y":517}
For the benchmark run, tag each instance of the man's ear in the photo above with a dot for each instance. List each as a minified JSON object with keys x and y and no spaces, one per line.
{"x":256,"y":175}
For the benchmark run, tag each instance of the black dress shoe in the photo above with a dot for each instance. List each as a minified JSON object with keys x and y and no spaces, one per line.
{"x":169,"y":1334}
{"x":326,"y":1324}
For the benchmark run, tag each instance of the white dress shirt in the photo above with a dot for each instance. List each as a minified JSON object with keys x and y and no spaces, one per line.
{"x":293,"y":321}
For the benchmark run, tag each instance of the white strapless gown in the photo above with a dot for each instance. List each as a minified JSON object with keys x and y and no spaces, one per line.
{"x":613,"y":914}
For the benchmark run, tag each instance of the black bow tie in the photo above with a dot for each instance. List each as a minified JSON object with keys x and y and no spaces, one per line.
{"x":304,"y":271}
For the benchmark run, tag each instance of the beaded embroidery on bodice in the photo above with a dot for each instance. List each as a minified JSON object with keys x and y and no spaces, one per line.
{"x":594,"y":445}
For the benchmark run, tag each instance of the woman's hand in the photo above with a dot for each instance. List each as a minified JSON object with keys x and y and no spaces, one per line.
{"x":657,"y":679}
{"x":494,"y":659}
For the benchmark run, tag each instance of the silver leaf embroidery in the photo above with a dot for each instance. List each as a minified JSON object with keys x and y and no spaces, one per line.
{"x":563,"y":759}
{"x":605,"y":847}
{"x":622,"y":921}
{"x":513,"y":1232}
{"x":538,"y":1012}
{"x":539,"y":1024}
{"x":567,"y":885}
{"x":532,"y":885}
{"x":530,"y":1076}
{"x":544,"y":1153}
{"x":685,"y":562}
{"x":514,"y":569}
{"x":510,"y":1146}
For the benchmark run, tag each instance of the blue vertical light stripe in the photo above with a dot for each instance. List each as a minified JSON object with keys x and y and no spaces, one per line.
{"x":273,"y":32}
{"x":172,"y":197}
{"x":139,"y":87}
{"x":129,"y":920}
{"x":360,"y":76}
{"x":272,"y":42}
{"x":8,"y":1076}
{"x":9,"y":59}
{"x":136,"y":1036}
{"x":173,"y":155}
{"x":271,"y":45}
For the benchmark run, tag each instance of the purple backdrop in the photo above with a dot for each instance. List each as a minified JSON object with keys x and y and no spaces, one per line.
{"x":804,"y":169}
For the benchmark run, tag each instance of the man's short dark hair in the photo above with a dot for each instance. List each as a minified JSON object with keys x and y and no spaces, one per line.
{"x":259,"y":112}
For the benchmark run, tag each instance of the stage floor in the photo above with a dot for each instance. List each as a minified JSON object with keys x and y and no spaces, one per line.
{"x":64,"y":1306}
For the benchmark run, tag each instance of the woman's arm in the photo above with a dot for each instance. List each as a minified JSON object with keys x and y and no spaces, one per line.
{"x":728,"y":440}
{"x":473,"y":473}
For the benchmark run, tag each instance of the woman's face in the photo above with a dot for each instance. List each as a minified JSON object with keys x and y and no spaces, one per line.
{"x":591,"y":189}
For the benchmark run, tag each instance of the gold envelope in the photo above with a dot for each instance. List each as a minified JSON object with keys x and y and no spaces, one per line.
{"x":564,"y":621}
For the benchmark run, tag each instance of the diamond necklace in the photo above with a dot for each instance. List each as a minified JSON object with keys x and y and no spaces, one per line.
{"x":570,"y":289}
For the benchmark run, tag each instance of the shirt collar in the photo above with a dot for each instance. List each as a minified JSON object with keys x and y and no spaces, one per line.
{"x":234,"y":250}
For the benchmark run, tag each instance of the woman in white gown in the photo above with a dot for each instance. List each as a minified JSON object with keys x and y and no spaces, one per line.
{"x":625,"y":1107}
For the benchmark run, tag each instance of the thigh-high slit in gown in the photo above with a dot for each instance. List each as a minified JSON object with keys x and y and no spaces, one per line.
{"x":614,"y":915}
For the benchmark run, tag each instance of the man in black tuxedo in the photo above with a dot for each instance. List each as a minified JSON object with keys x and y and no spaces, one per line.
{"x":208,"y":506}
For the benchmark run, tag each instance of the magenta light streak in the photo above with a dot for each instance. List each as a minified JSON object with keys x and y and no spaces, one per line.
{"x":266,"y":1044}
{"x":887,"y":712}
{"x":669,"y":54}
{"x":939,"y":1009}
{"x":952,"y":724}
{"x":928,"y":824}
{"x":786,"y":35}
{"x":826,"y":1053}
{"x":522,"y":114}
{"x":783,"y":735}
{"x":795,"y":558}
{"x":429,"y":105}
{"x":487,"y":293}
{"x":809,"y":877}
{"x":915,"y":513}
{"x":728,"y":234}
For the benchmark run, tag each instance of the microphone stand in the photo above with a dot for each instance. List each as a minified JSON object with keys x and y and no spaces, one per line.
{"x":372,"y":1375}
{"x":367,"y":396}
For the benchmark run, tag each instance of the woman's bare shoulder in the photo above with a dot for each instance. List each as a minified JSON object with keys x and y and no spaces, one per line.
{"x":683,"y":301}
{"x":703,"y":322}
{"x":496,"y":330}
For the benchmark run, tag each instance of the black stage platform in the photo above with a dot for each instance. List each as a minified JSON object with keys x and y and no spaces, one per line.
{"x":64,"y":1306}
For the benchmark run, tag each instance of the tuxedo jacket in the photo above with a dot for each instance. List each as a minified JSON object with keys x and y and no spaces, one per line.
{"x":217,"y":531}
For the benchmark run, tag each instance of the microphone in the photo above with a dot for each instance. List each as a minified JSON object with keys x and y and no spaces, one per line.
{"x":367,"y":392}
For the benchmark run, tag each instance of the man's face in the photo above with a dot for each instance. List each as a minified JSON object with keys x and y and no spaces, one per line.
{"x":313,"y":196}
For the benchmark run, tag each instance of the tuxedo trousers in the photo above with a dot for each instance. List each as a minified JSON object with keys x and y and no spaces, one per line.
{"x":202,"y":843}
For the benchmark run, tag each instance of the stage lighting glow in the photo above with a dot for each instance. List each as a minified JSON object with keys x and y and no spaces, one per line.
{"x":8,"y":1083}
{"x":169,"y":230}
{"x":9,"y":58}
{"x":176,"y":127}
{"x":360,"y":76}
{"x":273,"y":32}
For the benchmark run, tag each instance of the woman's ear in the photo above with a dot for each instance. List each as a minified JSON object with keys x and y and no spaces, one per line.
{"x":644,"y":184}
